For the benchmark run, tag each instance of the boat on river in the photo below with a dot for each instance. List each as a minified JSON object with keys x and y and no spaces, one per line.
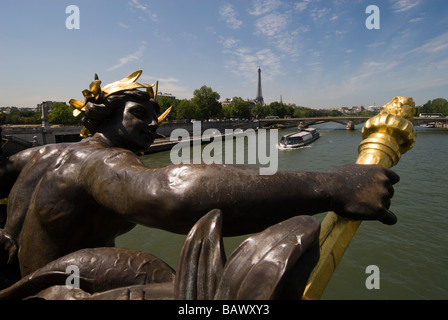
{"x":428,"y":125}
{"x":299,"y":139}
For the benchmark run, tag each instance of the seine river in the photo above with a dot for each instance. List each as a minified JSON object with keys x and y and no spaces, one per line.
{"x":412,"y":256}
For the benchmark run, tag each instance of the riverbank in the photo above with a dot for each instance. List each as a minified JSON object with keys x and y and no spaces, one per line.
{"x":164,"y":144}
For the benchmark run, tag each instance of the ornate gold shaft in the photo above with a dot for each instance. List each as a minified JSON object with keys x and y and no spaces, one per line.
{"x":386,"y":136}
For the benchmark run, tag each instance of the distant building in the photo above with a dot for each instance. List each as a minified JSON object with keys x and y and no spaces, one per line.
{"x":373,"y":108}
{"x":259,"y":99}
{"x":45,"y":104}
{"x":8,"y":110}
{"x":168,"y":95}
{"x":226,"y":101}
{"x":351,"y":110}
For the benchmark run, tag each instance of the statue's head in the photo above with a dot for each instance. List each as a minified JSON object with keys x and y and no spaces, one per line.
{"x":120,"y":110}
{"x":96,"y":113}
{"x":129,"y":119}
{"x":100,"y":103}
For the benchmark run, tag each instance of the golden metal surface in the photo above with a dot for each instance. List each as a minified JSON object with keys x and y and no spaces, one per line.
{"x":95,"y":93}
{"x":164,"y":115}
{"x":387,"y":136}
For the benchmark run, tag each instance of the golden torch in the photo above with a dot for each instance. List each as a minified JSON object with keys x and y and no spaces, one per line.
{"x":386,"y":137}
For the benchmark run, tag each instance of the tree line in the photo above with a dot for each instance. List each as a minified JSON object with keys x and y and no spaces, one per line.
{"x":59,"y":113}
{"x":438,"y":105}
{"x":205,"y":105}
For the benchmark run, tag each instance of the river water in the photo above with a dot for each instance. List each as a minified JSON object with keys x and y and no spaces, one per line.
{"x":411,"y":256}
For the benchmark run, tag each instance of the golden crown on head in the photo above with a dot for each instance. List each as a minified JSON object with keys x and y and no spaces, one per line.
{"x":96,"y":94}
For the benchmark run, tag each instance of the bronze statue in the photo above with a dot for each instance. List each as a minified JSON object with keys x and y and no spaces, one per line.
{"x":64,"y":198}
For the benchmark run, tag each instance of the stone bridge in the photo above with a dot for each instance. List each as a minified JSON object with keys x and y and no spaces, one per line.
{"x":21,"y":137}
{"x":349,"y":122}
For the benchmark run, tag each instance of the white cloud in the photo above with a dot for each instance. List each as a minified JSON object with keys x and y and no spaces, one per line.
{"x":334,"y":18}
{"x":437,"y":45}
{"x":362,"y":81}
{"x":376,"y":44}
{"x":275,"y":26}
{"x":244,"y":62}
{"x":135,"y":56}
{"x":136,"y":4}
{"x":404,"y":5}
{"x":315,"y":66}
{"x":319,"y":14}
{"x":229,"y":15}
{"x":228,"y":42}
{"x":416,"y":20}
{"x":302,"y":5}
{"x":260,"y":7}
{"x":271,"y":24}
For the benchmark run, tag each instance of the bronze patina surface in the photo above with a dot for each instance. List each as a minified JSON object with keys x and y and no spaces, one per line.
{"x":70,"y":202}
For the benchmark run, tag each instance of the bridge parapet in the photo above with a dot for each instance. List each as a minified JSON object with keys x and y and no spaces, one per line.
{"x":50,"y":134}
{"x":306,"y":122}
{"x":42,"y":135}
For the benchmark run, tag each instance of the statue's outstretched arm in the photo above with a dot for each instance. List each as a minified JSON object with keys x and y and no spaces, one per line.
{"x":175,"y":197}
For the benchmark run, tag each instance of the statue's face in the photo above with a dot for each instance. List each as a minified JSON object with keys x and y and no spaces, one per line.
{"x":134,"y":125}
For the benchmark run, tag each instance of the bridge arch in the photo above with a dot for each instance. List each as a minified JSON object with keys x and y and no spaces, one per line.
{"x":348,"y":122}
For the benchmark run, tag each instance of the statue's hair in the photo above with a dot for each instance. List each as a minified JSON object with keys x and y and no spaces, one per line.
{"x":96,"y":113}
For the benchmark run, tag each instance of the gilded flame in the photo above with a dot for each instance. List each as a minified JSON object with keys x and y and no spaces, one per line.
{"x":389,"y":134}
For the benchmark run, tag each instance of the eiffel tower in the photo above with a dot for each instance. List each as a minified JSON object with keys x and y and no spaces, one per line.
{"x":259,"y":98}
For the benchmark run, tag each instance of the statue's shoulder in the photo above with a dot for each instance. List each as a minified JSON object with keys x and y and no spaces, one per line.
{"x":35,"y":154}
{"x":95,"y":154}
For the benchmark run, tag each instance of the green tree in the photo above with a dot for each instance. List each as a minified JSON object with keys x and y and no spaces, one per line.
{"x":239,"y":108}
{"x":440,"y":105}
{"x":280,"y":109}
{"x":426,"y":108}
{"x":60,"y":113}
{"x":165,"y":103}
{"x":259,"y":112}
{"x":208,"y":102}
{"x":226,"y":112}
{"x":303,"y":112}
{"x":336,"y":113}
{"x":18,"y":116}
{"x":13,"y":117}
{"x":187,"y":110}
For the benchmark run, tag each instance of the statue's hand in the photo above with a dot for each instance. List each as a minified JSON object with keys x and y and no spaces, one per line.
{"x":363,"y":192}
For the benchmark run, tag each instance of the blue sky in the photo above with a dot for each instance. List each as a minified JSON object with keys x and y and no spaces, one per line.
{"x":314,"y":53}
